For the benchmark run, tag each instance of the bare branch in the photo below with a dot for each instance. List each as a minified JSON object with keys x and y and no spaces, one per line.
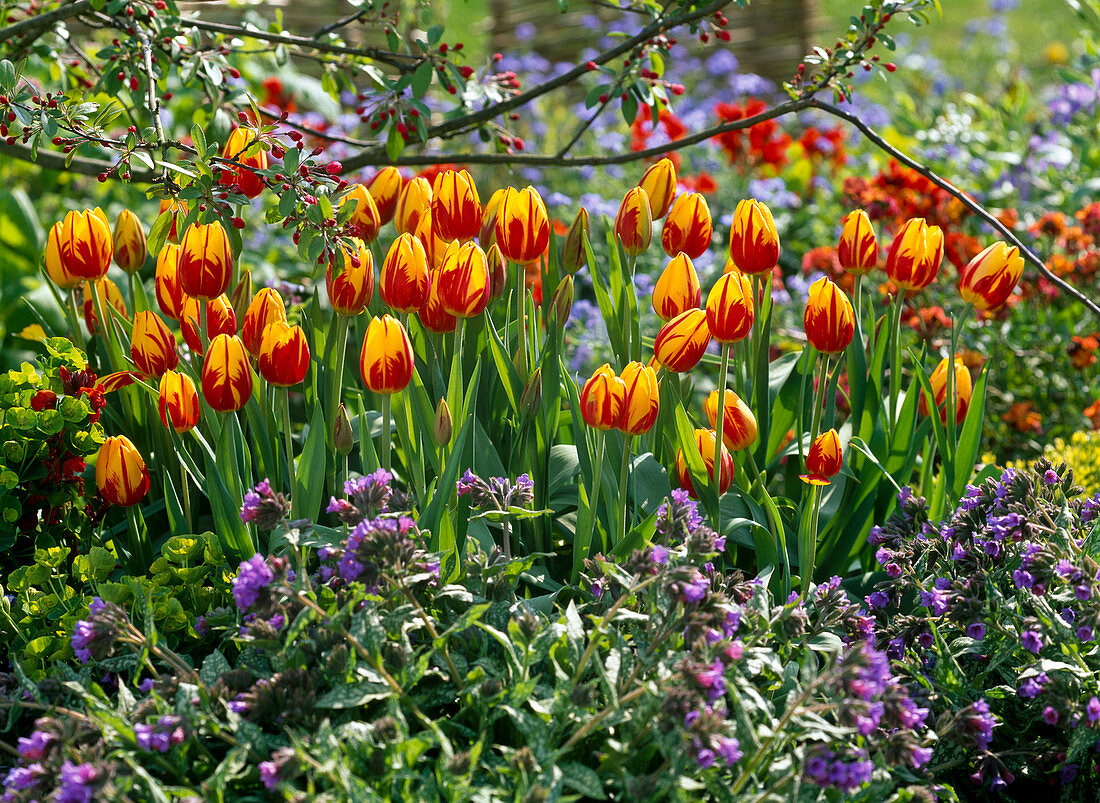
{"x":40,"y":23}
{"x":52,"y":160}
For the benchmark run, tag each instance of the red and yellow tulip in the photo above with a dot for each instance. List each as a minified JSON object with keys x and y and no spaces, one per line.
{"x":170,"y":295}
{"x":129,"y":242}
{"x":241,"y":148}
{"x":265,"y":309}
{"x":366,"y":217}
{"x":463,"y":280}
{"x":730,"y":310}
{"x":739,"y":428}
{"x":413,"y":202}
{"x":120,"y":473}
{"x":55,"y":268}
{"x":989,"y":278}
{"x":108,"y":294}
{"x":523,"y":227}
{"x":351,"y":291}
{"x":688,"y":227}
{"x":405,"y":282}
{"x":432,"y":315}
{"x":226,"y":374}
{"x":857,"y":250}
{"x":829,"y":320}
{"x":824,"y":459}
{"x":603,"y":399}
{"x":754,"y":240}
{"x":915,"y":255}
{"x":386,"y":361}
{"x":634,"y":222}
{"x":677,"y":289}
{"x":284,"y":354}
{"x":964,"y":391}
{"x":705,"y":442}
{"x":220,"y":320}
{"x":178,"y":402}
{"x":456,"y":208}
{"x":659,"y":183}
{"x":206,"y":261}
{"x":681,"y":342}
{"x":487,"y":234}
{"x":385,"y":188}
{"x":84,"y":246}
{"x":152,"y":345}
{"x":642,"y":399}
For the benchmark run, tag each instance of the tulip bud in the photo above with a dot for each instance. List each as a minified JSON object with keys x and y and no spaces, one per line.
{"x":573,"y":255}
{"x":341,"y":431}
{"x":857,"y":251}
{"x":206,"y":261}
{"x":226,"y":374}
{"x":413,"y":202}
{"x":109,"y":294}
{"x":964,"y":391}
{"x":523,"y":227}
{"x":179,"y":213}
{"x":603,"y":399}
{"x":366,"y":216}
{"x":178,"y":402}
{"x":829,"y":320}
{"x":129,"y":242}
{"x":659,"y":183}
{"x":220,"y":320}
{"x":432,"y":315}
{"x":242,"y":295}
{"x":739,"y":429}
{"x":915,"y":255}
{"x":730,"y":309}
{"x":152,"y":345}
{"x":641,"y":400}
{"x":463,"y":280}
{"x":989,"y":278}
{"x":531,"y":397}
{"x":688,"y":227}
{"x":84,"y":245}
{"x":55,"y":268}
{"x":487,"y":234}
{"x":823,"y":460}
{"x":405,"y":282}
{"x":456,"y":208}
{"x":351,"y":291}
{"x":754,"y":240}
{"x":266,"y":308}
{"x":498,"y":272}
{"x":241,"y":148}
{"x":681,"y":342}
{"x":677,"y":289}
{"x":170,"y":295}
{"x":386,"y":361}
{"x":634,"y":222}
{"x":385,"y":188}
{"x":704,"y":441}
{"x":442,"y":426}
{"x":562,"y":301}
{"x":120,"y":473}
{"x":284,"y":354}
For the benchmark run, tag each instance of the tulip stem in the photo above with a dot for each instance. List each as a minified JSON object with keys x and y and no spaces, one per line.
{"x":819,"y":396}
{"x":807,"y":548}
{"x":386,"y":431}
{"x":521,"y":314}
{"x":624,"y":478}
{"x":720,"y":420}
{"x":952,"y":399}
{"x":857,"y":292}
{"x":336,"y":391}
{"x":895,"y":361}
{"x":73,"y":318}
{"x":285,"y":413}
{"x":103,"y":326}
{"x":204,"y":339}
{"x":185,"y":495}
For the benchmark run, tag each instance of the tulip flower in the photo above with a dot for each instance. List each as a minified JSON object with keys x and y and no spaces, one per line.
{"x":55,"y":268}
{"x":342,"y":435}
{"x":442,"y":424}
{"x":432,"y":315}
{"x":857,"y":250}
{"x":681,"y":342}
{"x":634,"y":222}
{"x":705,"y":440}
{"x":84,"y":245}
{"x":677,"y":289}
{"x":562,"y":301}
{"x":386,"y":362}
{"x":366,"y":217}
{"x":284,"y":354}
{"x":463,"y":280}
{"x":206,"y":261}
{"x":351,"y":291}
{"x":603,"y":399}
{"x":220,"y":320}
{"x":829,"y":320}
{"x":129,"y":242}
{"x":730,"y":308}
{"x":688,"y":227}
{"x":754,"y":241}
{"x":226,"y":374}
{"x":456,"y":208}
{"x":498,"y":272}
{"x":108,"y":293}
{"x":405,"y":282}
{"x":573,"y":255}
{"x":241,"y":147}
{"x":434,"y":245}
{"x":989,"y":278}
{"x":659,"y":183}
{"x":915,"y":255}
{"x":385,"y":188}
{"x":152,"y":345}
{"x":487,"y":234}
{"x":179,"y":212}
{"x":523,"y":227}
{"x":265,"y":309}
{"x":170,"y":295}
{"x":824,"y":459}
{"x":964,"y":391}
{"x":120,"y":473}
{"x":642,"y":400}
{"x":739,"y":430}
{"x":178,"y":402}
{"x":415,"y":199}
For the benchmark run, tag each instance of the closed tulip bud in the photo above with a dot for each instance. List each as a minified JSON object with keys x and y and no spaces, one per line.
{"x":442,"y":425}
{"x":386,"y":362}
{"x":220,"y":320}
{"x":456,"y":208}
{"x":730,"y":309}
{"x":642,"y":399}
{"x":659,"y":183}
{"x":824,"y":459}
{"x":242,"y":295}
{"x":405,"y":282}
{"x":603,"y":399}
{"x":634,"y":222}
{"x":964,"y":391}
{"x":677,"y":289}
{"x":179,"y":213}
{"x":55,"y":268}
{"x":562,"y":301}
{"x":120,"y":473}
{"x":342,"y":435}
{"x":284,"y":354}
{"x":206,"y":261}
{"x":498,"y":272}
{"x":573,"y":255}
{"x":531,"y":397}
{"x":754,"y":240}
{"x":152,"y":345}
{"x":242,"y":148}
{"x":463,"y":280}
{"x":688,"y":227}
{"x":178,"y":402}
{"x":226,"y":374}
{"x":915,"y":255}
{"x":829,"y":320}
{"x":990,"y":277}
{"x":109,"y":294}
{"x":704,"y":441}
{"x":739,"y":428}
{"x":385,"y":188}
{"x":129,"y":242}
{"x":523,"y":227}
{"x":487,"y":234}
{"x":266,"y":308}
{"x":681,"y":342}
{"x":170,"y":295}
{"x":432,"y":315}
{"x":84,"y":245}
{"x":413,"y":202}
{"x":366,"y":217}
{"x":857,"y":250}
{"x":351,"y":291}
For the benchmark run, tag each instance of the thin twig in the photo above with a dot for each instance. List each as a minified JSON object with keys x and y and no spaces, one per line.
{"x":340,"y":23}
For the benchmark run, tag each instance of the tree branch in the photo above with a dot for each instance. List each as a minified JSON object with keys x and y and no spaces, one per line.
{"x":40,"y":23}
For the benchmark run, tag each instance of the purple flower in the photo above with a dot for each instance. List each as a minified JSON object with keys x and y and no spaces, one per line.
{"x":935,"y":600}
{"x":76,"y":783}
{"x":705,"y":757}
{"x":1091,"y":509}
{"x":1029,"y":689}
{"x":1082,"y":592}
{"x":1093,"y":710}
{"x":659,"y":555}
{"x":976,"y":631}
{"x":1051,"y":477}
{"x":1084,"y":633}
{"x":972,"y":499}
{"x":263,"y":507}
{"x":696,"y":590}
{"x":1023,"y":579}
{"x":20,"y":779}
{"x":269,"y":775}
{"x":729,"y":750}
{"x":878,"y":599}
{"x":1050,"y":716}
{"x":1032,"y":641}
{"x":34,"y":748}
{"x":253,"y":576}
{"x":980,"y":722}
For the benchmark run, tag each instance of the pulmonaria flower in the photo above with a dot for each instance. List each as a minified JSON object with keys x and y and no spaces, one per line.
{"x":1090,"y":510}
{"x":264,"y":507}
{"x":678,"y":516}
{"x":93,"y":637}
{"x":659,"y":555}
{"x":730,"y":750}
{"x":976,"y":631}
{"x":1084,"y":633}
{"x":846,"y":772}
{"x":280,"y":768}
{"x":1092,"y":709}
{"x":253,"y":576}
{"x":161,"y":737}
{"x":77,"y":783}
{"x":1032,"y":687}
{"x":1031,"y":641}
{"x":692,"y":589}
{"x":498,"y":493}
{"x":20,"y":779}
{"x":979,"y":723}
{"x":381,"y":545}
{"x":935,"y":600}
{"x":36,"y":746}
{"x":367,"y":497}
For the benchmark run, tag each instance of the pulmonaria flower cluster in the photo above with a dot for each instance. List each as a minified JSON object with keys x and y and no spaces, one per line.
{"x":496,"y":493}
{"x":94,"y":637}
{"x":161,"y":736}
{"x":367,"y":497}
{"x":264,"y":507}
{"x":385,"y":546}
{"x":256,"y":576}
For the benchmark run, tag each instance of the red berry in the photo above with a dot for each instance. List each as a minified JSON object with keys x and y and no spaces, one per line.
{"x":238,"y":223}
{"x":890,"y":67}
{"x":334,"y":168}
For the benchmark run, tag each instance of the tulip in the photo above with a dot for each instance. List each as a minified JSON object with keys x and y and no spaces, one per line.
{"x":603,"y":399}
{"x":523,"y":227}
{"x":129,"y":242}
{"x":341,"y":431}
{"x":829,"y":320}
{"x":386,"y":362}
{"x":688,"y":227}
{"x":915,"y":255}
{"x":989,"y":278}
{"x":562,"y":301}
{"x":170,"y":295}
{"x":284,"y":354}
{"x":242,"y":147}
{"x":366,"y":217}
{"x":266,"y":308}
{"x":84,"y":246}
{"x":487,"y":234}
{"x":220,"y":320}
{"x":442,"y":424}
{"x":432,"y":315}
{"x":681,"y":342}
{"x":152,"y":345}
{"x":573,"y":255}
{"x":642,"y":399}
{"x":824,"y":459}
{"x":415,"y":199}
{"x":677,"y":289}
{"x":405,"y":283}
{"x":351,"y":291}
{"x":739,"y":429}
{"x":242,"y":295}
{"x":463,"y":280}
{"x":634,"y":222}
{"x":120,"y":473}
{"x":178,"y":402}
{"x":179,"y":211}
{"x":456,"y":208}
{"x":857,"y":250}
{"x":964,"y":391}
{"x":754,"y":241}
{"x":206,"y":261}
{"x":385,"y":188}
{"x":434,"y":245}
{"x":109,"y":293}
{"x":730,"y":308}
{"x":498,"y":272}
{"x":55,"y":268}
{"x":705,"y":440}
{"x":531,"y":397}
{"x":659,"y":183}
{"x":226,"y":374}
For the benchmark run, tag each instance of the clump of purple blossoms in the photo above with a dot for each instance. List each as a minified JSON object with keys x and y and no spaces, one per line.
{"x":255,"y":576}
{"x":94,"y":637}
{"x":367,"y":497}
{"x":264,"y":507}
{"x":847,"y":771}
{"x":160,"y":737}
{"x":77,"y":783}
{"x":496,"y":493}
